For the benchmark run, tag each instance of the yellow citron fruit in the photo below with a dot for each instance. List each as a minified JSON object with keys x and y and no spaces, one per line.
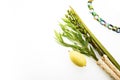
{"x":77,"y":58}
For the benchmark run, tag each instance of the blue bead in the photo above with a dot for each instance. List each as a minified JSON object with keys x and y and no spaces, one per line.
{"x":102,"y":22}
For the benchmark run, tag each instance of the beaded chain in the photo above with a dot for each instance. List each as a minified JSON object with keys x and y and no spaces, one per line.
{"x":100,"y":20}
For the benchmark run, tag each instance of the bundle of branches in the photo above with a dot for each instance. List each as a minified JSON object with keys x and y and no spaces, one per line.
{"x":82,"y":40}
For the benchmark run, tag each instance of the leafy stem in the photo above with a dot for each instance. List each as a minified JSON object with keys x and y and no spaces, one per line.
{"x":76,"y":39}
{"x":79,"y":25}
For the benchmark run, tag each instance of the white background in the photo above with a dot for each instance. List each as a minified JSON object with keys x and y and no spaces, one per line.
{"x":28,"y":50}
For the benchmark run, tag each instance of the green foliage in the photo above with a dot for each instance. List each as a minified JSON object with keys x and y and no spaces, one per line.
{"x":76,"y":39}
{"x":80,"y":37}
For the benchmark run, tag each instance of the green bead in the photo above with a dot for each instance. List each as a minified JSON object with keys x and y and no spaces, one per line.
{"x":94,"y":13}
{"x":110,"y":26}
{"x":90,"y":6}
{"x":107,"y":25}
{"x":99,"y":19}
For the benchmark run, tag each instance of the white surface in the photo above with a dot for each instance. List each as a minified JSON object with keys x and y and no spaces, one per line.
{"x":28,"y":50}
